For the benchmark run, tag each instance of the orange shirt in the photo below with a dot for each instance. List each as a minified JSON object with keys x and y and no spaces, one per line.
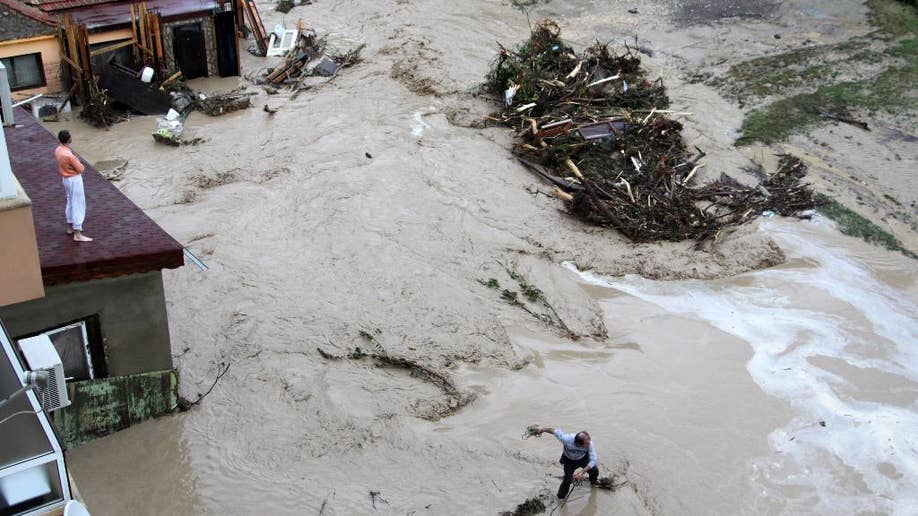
{"x":67,"y":163}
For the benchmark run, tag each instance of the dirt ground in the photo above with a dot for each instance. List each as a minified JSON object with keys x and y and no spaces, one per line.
{"x":370,"y":213}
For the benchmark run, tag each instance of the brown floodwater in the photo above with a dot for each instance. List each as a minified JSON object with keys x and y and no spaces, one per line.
{"x":785,"y":391}
{"x":368,"y":205}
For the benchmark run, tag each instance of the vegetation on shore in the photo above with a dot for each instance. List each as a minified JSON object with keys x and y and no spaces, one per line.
{"x":882,"y":70}
{"x":852,"y":224}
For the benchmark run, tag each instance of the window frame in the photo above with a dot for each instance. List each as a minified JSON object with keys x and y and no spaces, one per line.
{"x":41,"y":71}
{"x":93,"y":343}
{"x":86,"y":351}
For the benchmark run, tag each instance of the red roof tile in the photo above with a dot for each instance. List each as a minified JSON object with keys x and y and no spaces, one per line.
{"x":127,"y":241}
{"x":19,"y":21}
{"x":27,"y":10}
{"x":60,"y":5}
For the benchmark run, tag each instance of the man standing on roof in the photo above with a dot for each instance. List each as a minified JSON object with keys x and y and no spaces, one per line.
{"x":72,"y":173}
{"x":579,"y":452}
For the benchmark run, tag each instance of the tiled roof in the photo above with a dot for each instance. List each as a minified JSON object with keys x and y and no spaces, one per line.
{"x":60,"y":5}
{"x":127,"y":241}
{"x":19,"y":21}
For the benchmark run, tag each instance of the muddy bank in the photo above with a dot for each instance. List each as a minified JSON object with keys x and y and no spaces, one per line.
{"x":312,"y":243}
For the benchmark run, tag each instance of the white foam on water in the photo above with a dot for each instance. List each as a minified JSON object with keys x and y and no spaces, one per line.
{"x":788,"y":314}
{"x":418,"y":125}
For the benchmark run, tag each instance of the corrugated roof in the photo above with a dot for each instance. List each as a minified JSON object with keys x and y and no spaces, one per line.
{"x":119,"y":13}
{"x":127,"y":241}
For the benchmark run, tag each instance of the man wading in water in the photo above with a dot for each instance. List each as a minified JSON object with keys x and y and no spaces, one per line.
{"x":578,"y":453}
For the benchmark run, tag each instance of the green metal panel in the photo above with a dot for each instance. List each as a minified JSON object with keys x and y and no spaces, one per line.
{"x":105,"y":405}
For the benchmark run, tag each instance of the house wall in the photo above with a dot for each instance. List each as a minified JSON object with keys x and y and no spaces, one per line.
{"x":20,"y":273}
{"x":110,"y":35}
{"x":210,"y":43}
{"x":49,"y":49}
{"x":132,"y":317}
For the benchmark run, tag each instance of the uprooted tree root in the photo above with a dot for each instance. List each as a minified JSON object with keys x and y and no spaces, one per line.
{"x":98,"y":111}
{"x":595,"y":126}
{"x":456,"y":398}
{"x":534,"y":505}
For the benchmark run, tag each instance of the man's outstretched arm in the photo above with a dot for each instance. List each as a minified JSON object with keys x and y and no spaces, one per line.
{"x":558,"y":433}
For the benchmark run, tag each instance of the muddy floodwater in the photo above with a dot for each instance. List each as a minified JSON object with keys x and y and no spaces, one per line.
{"x":772,"y":371}
{"x":789,"y":390}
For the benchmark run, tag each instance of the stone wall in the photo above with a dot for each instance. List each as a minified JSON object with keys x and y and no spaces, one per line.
{"x":210,"y":43}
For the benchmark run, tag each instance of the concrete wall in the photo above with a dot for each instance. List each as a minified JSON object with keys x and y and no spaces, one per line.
{"x":132,"y":316}
{"x":110,"y":35}
{"x":49,"y":49}
{"x":20,"y":272}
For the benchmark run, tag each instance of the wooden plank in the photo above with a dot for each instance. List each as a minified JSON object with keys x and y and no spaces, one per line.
{"x":67,"y":98}
{"x":74,"y":58}
{"x":159,"y":41}
{"x":134,"y":33}
{"x":111,"y":48}
{"x":258,"y":29}
{"x":141,"y":20}
{"x":85,"y":60}
{"x":76,"y":67}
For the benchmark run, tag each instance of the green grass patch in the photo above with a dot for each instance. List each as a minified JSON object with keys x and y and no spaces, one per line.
{"x":905,"y":49}
{"x":894,"y":18}
{"x":852,"y":224}
{"x":891,"y":90}
{"x":780,"y":119}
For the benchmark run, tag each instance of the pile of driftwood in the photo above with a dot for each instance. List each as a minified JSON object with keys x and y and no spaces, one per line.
{"x":308,"y":58}
{"x":596,"y":127}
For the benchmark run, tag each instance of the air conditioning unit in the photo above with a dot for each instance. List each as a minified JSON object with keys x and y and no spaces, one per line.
{"x":40,"y":355}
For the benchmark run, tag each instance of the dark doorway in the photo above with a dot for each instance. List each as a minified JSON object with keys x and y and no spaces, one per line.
{"x":188,"y":46}
{"x":227,"y":46}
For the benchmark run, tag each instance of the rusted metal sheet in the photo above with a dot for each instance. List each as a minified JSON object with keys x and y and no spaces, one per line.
{"x":603,"y":129}
{"x":106,"y":405}
{"x":554,"y":129}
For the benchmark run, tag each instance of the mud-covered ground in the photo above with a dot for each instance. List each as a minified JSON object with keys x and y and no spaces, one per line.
{"x":373,"y":211}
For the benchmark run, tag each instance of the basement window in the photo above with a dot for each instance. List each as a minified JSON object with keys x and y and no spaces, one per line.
{"x":79,"y":344}
{"x":25,"y":71}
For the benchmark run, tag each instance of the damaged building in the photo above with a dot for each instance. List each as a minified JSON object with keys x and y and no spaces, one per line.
{"x":102,"y":306}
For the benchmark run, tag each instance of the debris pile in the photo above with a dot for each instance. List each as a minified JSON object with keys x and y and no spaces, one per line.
{"x":310,"y":57}
{"x":534,"y":505}
{"x":98,"y":111}
{"x":595,"y":126}
{"x":221,"y":104}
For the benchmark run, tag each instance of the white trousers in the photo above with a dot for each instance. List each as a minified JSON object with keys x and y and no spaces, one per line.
{"x":76,"y":202}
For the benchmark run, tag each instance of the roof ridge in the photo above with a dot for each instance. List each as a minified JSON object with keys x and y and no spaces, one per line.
{"x":29,"y":12}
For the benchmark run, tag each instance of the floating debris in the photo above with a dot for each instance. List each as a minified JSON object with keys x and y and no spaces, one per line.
{"x":221,"y":104}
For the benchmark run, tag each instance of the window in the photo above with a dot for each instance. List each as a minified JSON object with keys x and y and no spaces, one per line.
{"x":25,"y":71}
{"x":281,"y":41}
{"x":72,"y":344}
{"x":79,"y":344}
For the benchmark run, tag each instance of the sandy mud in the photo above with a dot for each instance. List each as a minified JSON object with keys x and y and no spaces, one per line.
{"x":374,"y":211}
